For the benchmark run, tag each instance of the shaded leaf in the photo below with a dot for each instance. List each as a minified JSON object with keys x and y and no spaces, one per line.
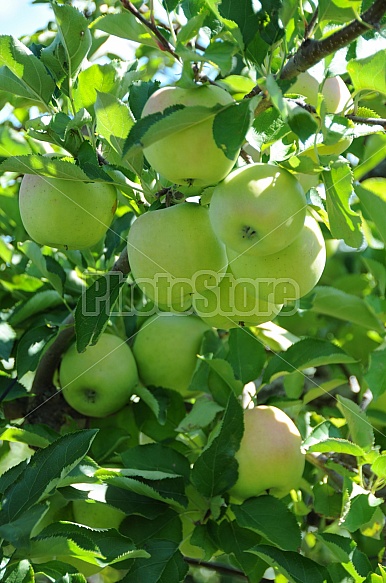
{"x":344,"y":222}
{"x":271,"y":519}
{"x":45,"y":471}
{"x":339,"y":304}
{"x":94,"y":308}
{"x":295,"y":567}
{"x":246,"y":354}
{"x":215,"y":471}
{"x":31,"y":72}
{"x":306,"y":353}
{"x":360,"y":428}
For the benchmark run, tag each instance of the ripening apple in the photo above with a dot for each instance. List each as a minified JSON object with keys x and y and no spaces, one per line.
{"x":166,"y":348}
{"x":174,"y":252}
{"x":101,"y":380}
{"x":289,"y":274}
{"x":270,"y":457}
{"x":97,"y":514}
{"x":258,"y":209}
{"x":336,"y":95}
{"x":189,"y":156}
{"x":233,"y":303}
{"x":66,"y":214}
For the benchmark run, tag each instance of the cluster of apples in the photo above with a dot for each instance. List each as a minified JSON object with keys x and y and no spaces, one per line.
{"x":234,"y":262}
{"x":238,"y":261}
{"x":100,"y":381}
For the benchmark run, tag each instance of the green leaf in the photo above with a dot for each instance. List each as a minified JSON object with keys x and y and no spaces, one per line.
{"x":56,"y":570}
{"x":191,"y":28}
{"x":113,"y":120}
{"x":45,"y":472}
{"x":301,"y":122}
{"x":157,"y":457}
{"x":243,"y":14}
{"x":360,"y":428}
{"x":98,"y":547}
{"x":133,"y":503}
{"x":203,"y":412}
{"x":7,"y":337}
{"x":322,"y":432}
{"x":344,"y":222}
{"x":166,"y":564}
{"x":376,"y":374}
{"x":139,"y":94}
{"x":374,"y":152}
{"x":337,"y":445}
{"x":31,"y":73}
{"x":43,"y":166}
{"x":340,"y":546}
{"x":372,"y":194}
{"x":361,"y":509}
{"x":306,"y":353}
{"x":94,"y":307}
{"x":12,"y":143}
{"x":295,"y":567}
{"x":71,"y":45}
{"x":379,"y":466}
{"x":21,"y":572}
{"x":92,"y":80}
{"x":21,"y":435}
{"x":269,"y":127}
{"x":339,"y":304}
{"x":215,"y":470}
{"x":230,"y":126}
{"x":125,"y":25}
{"x":18,"y":532}
{"x":368,"y":73}
{"x":221,"y":54}
{"x":47,"y":266}
{"x":222,"y":381}
{"x":270,"y":518}
{"x":171,"y":492}
{"x":166,"y":526}
{"x":235,"y":540}
{"x":40,"y":302}
{"x":246,"y":354}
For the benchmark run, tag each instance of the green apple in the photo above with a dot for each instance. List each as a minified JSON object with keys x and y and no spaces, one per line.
{"x":233,"y":303}
{"x":189,"y":156}
{"x":270,"y":457}
{"x":258,"y":209}
{"x":174,"y":252}
{"x":289,"y":274}
{"x":166,"y":348}
{"x":66,"y":214}
{"x":99,"y":381}
{"x":336,"y":95}
{"x":96,"y":514}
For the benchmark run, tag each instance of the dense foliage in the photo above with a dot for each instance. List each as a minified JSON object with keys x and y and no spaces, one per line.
{"x":144,"y":493}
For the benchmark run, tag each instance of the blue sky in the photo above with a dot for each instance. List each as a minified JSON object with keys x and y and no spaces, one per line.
{"x":20,"y":17}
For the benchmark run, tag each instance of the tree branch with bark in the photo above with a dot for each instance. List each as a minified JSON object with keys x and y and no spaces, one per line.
{"x":43,"y":387}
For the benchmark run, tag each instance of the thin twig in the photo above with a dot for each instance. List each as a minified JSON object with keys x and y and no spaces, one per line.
{"x":163,"y":43}
{"x":311,"y":25}
{"x":368,"y":120}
